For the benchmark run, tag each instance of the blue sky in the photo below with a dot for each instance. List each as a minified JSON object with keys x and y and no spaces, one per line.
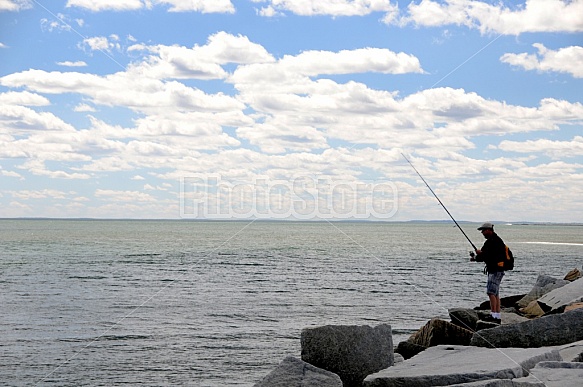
{"x":278,"y":108}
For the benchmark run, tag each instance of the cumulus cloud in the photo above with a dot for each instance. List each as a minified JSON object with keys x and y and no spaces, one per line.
{"x":565,"y":60}
{"x":551,"y":148}
{"x":41,"y":194}
{"x":52,"y":82}
{"x":326,"y":7}
{"x":102,"y":43}
{"x":125,"y":89}
{"x":287,"y":116}
{"x":23,"y":98}
{"x":293,"y":72}
{"x":107,"y":5}
{"x":379,"y":60}
{"x":20,"y":118}
{"x":15,"y":5}
{"x":274,"y":137}
{"x":11,"y":174}
{"x":531,"y":16}
{"x":67,"y":63}
{"x":84,"y":108}
{"x":199,"y":62}
{"x":38,"y":168}
{"x":203,"y":6}
{"x":124,"y":196}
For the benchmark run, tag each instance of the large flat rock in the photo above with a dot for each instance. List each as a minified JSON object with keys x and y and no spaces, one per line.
{"x":446,"y":365}
{"x":555,"y":329}
{"x":522,"y":382}
{"x":543,"y":285}
{"x":572,"y":352}
{"x":562,"y":296}
{"x":557,"y":374}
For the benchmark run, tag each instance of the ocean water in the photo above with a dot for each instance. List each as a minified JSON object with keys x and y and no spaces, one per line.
{"x":103,"y":303}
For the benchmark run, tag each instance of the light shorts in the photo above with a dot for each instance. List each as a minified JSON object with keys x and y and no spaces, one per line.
{"x":493,"y":286}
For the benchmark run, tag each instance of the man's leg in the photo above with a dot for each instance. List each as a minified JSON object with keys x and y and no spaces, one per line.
{"x":494,"y":303}
{"x":493,"y":291}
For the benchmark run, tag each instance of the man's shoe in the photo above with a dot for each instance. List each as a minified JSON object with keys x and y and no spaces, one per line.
{"x":491,"y":319}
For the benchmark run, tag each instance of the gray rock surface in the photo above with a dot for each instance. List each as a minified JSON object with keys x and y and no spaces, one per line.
{"x":543,"y":285}
{"x":512,"y":318}
{"x":481,"y":325}
{"x":556,"y":329}
{"x":465,"y":318}
{"x":565,"y":295}
{"x":503,"y":383}
{"x":449,"y":365}
{"x":352,"y":352}
{"x":295,"y":372}
{"x":556,"y":374}
{"x":560,"y":364}
{"x":572,"y":352}
{"x":398,"y":358}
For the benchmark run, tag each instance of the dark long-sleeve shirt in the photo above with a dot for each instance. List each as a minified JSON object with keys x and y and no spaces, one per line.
{"x":492,"y":253}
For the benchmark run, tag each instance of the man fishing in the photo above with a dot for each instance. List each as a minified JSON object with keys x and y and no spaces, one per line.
{"x":493,"y":254}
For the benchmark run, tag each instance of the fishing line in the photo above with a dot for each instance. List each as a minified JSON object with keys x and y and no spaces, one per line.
{"x":411,"y":164}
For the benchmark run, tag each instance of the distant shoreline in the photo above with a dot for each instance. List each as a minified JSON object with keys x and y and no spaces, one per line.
{"x":499,"y":223}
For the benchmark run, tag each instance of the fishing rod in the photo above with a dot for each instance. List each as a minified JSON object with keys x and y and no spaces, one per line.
{"x":411,"y":164}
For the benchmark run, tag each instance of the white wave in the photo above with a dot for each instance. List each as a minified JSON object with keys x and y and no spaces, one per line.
{"x":552,"y":243}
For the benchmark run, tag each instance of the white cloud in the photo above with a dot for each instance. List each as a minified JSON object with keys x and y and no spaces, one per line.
{"x":274,"y":137}
{"x":124,"y":196}
{"x":102,"y":43}
{"x":2,"y":45}
{"x":20,"y":118}
{"x":565,"y":60}
{"x":286,"y":118}
{"x":200,"y":62}
{"x":37,"y":167}
{"x":15,"y":5}
{"x":41,"y":194}
{"x":530,"y":16}
{"x":326,"y":7}
{"x":551,"y":148}
{"x":78,"y":63}
{"x":204,"y":6}
{"x":11,"y":174}
{"x":379,"y":60}
{"x":291,"y":72}
{"x":107,"y":5}
{"x":125,"y":89}
{"x":84,"y":108}
{"x":23,"y":98}
{"x":53,"y":82}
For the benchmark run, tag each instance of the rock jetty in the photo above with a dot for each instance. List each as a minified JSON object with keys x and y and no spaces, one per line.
{"x":539,"y":343}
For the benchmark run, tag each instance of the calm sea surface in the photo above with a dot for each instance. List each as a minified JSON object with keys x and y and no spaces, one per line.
{"x":102,"y":303}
